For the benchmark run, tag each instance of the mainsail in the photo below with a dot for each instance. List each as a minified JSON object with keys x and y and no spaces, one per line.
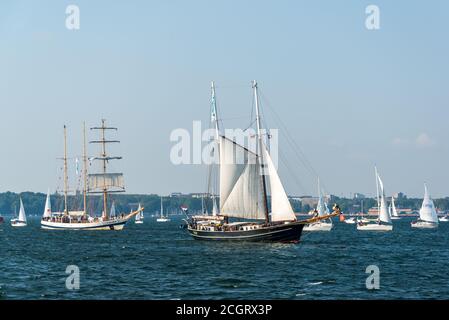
{"x":47,"y":210}
{"x":22,"y":216}
{"x":384,"y":216}
{"x":394,"y":212}
{"x":427,"y":212}
{"x":240,"y":185}
{"x":281,"y":209}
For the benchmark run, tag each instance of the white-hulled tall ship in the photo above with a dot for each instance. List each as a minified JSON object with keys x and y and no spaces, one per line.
{"x":102,"y":183}
{"x":243,"y":193}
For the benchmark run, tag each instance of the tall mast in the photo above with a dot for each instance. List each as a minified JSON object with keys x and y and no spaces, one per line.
{"x":104,"y":181}
{"x":214,"y":120}
{"x":84,"y":168}
{"x":105,"y":188}
{"x":162,"y":209}
{"x":214,"y":113}
{"x":65,"y":172}
{"x":377,"y":190}
{"x":261,"y":151}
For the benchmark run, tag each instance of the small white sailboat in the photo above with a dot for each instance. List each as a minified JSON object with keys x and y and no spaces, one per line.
{"x":321,"y":210}
{"x":351,"y":220}
{"x":394,"y":212}
{"x":139,"y":216}
{"x":162,"y":218}
{"x":383,"y":222}
{"x":21,"y":221}
{"x":444,"y":218}
{"x":428,"y":218}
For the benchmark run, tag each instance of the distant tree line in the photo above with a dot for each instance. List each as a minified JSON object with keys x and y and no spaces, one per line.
{"x":34,"y":203}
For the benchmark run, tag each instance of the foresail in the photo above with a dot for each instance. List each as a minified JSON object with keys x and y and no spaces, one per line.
{"x":240,"y":182}
{"x":22,"y":216}
{"x":281,"y":209}
{"x":394,"y":211}
{"x":47,"y":210}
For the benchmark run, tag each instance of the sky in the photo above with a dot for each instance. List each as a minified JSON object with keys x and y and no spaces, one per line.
{"x":350,"y":98}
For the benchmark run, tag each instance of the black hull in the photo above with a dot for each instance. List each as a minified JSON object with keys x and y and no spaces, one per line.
{"x":290,"y":232}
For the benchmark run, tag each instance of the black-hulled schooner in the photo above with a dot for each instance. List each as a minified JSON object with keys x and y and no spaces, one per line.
{"x":102,"y":183}
{"x":243,"y":193}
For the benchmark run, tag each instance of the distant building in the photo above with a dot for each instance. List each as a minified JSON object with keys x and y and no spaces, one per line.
{"x":359,"y":196}
{"x":399,"y":196}
{"x":176,"y":194}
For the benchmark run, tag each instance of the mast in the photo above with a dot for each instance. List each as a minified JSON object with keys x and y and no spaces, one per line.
{"x":84,"y":169}
{"x":162,"y":209}
{"x":214,"y":122}
{"x":377,"y":190}
{"x":65,"y":172}
{"x":261,"y":151}
{"x":106,"y":179}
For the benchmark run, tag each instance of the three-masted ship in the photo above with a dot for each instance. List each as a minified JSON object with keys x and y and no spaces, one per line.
{"x":102,"y":183}
{"x":243,"y":193}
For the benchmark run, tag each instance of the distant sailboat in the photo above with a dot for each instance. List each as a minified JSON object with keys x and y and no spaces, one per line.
{"x":21,"y":221}
{"x":383,"y":222}
{"x":162,"y":218}
{"x":139,"y":216}
{"x":321,"y":211}
{"x":427,"y":214}
{"x":394,"y":212}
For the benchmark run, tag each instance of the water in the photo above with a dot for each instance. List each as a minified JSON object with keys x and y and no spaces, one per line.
{"x":160,"y":261}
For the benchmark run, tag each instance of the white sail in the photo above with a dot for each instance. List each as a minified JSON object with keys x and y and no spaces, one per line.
{"x":394,"y":212}
{"x":112,"y":212}
{"x":47,"y":210}
{"x":22,"y":216}
{"x":427,"y":212}
{"x":99,"y":181}
{"x":139,"y":216}
{"x":384,"y":216}
{"x":281,"y":209}
{"x":214,"y":207}
{"x":162,"y":208}
{"x":240,"y":182}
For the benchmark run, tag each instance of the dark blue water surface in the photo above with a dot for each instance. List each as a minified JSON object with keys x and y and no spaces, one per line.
{"x":160,"y":261}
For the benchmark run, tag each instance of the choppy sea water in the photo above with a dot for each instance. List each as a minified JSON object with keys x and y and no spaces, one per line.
{"x":160,"y":261}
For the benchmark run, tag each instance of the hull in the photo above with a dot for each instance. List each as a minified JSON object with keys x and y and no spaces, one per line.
{"x":319,"y":226}
{"x":443,"y":219}
{"x":162,"y":220}
{"x":16,"y":223}
{"x":350,"y":221}
{"x":115,"y":224}
{"x":395,"y":218}
{"x":374,"y":227}
{"x":138,"y":221}
{"x":424,"y":225}
{"x":289,"y":232}
{"x":106,"y":225}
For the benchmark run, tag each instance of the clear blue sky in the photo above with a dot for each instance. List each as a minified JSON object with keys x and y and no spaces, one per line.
{"x":351,"y":97}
